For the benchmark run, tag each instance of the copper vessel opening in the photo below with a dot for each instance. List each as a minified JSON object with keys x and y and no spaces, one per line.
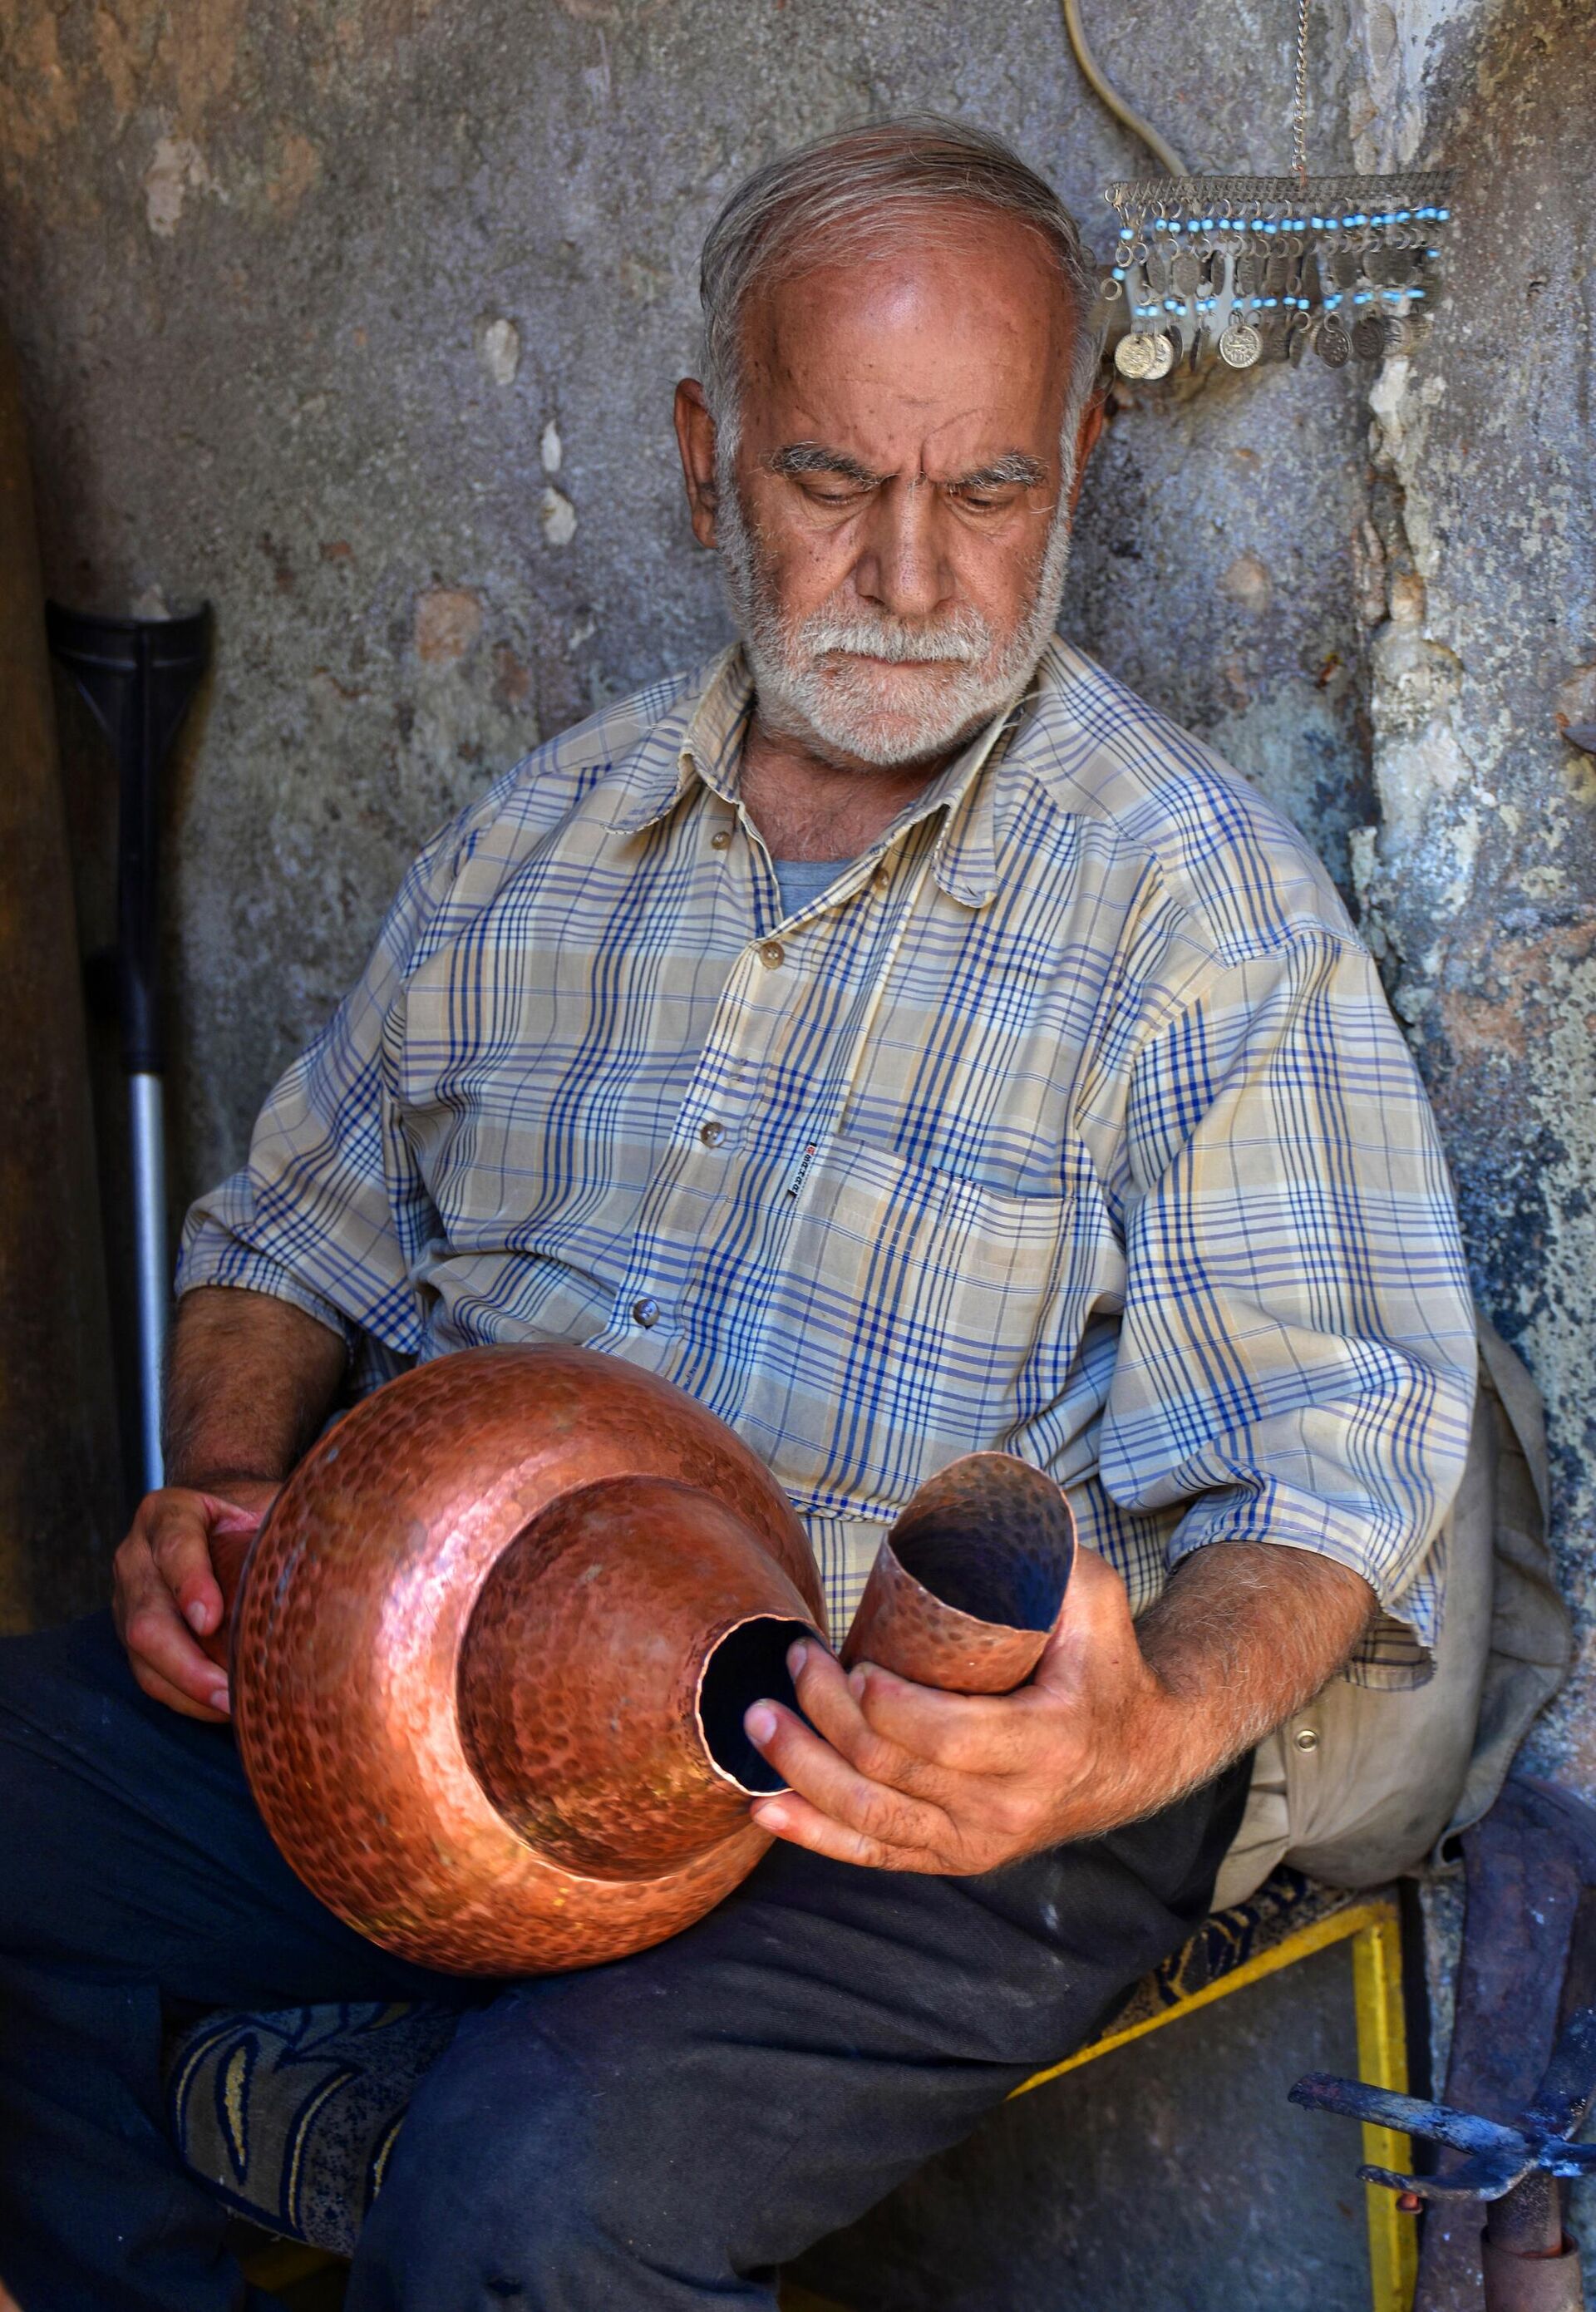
{"x":990,"y":1537}
{"x":748,"y":1665}
{"x":605,"y":1668}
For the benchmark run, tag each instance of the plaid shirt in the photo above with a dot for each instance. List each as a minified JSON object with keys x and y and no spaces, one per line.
{"x":1069,"y":1122}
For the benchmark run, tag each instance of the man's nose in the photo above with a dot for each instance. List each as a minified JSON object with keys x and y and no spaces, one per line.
{"x":901,"y":568}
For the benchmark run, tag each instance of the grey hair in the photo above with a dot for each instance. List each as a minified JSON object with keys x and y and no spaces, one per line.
{"x":847,"y":192}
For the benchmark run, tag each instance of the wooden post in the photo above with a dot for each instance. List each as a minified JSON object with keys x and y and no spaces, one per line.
{"x":60,"y":1487}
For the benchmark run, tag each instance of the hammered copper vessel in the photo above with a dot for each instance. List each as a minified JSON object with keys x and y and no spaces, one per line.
{"x":492,"y":1651}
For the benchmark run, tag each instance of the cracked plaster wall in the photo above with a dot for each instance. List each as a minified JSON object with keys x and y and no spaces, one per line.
{"x":1478,"y":873}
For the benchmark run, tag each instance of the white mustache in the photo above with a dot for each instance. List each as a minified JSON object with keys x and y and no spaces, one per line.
{"x":965,"y":638}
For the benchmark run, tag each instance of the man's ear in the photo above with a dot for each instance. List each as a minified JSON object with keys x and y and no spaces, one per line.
{"x":695,"y":438}
{"x":1094,"y":418}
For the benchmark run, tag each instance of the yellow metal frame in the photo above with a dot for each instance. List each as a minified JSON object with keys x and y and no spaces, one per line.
{"x":281,"y":2263}
{"x":1374,"y":1931}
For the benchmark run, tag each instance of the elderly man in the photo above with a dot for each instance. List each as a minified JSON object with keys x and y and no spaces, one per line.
{"x":903,"y":1039}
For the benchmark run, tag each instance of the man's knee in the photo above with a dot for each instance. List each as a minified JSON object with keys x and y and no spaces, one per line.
{"x":532,"y":2170}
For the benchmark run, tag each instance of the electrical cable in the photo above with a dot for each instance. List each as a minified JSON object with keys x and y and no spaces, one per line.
{"x":1165,"y":155}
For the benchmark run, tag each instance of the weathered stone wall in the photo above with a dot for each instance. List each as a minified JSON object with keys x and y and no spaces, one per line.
{"x":1478,"y":877}
{"x":360,"y":318}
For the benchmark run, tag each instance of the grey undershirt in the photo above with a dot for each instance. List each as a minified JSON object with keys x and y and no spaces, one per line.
{"x":802,"y":880}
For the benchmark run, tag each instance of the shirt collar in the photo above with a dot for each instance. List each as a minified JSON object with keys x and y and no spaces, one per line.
{"x":701,"y":738}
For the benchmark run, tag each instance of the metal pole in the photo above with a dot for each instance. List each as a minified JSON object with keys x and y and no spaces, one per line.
{"x":147,"y":1123}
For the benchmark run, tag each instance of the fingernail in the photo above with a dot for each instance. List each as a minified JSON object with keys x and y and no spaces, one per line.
{"x":771,"y":1818}
{"x":219,"y":1699}
{"x":761,"y":1722}
{"x":797,"y":1655}
{"x":858,"y":1678}
{"x":196,"y":1613}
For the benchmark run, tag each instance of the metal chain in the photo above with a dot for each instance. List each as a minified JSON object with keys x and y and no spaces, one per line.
{"x":1299,"y":99}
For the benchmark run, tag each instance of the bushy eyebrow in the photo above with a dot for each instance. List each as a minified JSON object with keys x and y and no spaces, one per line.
{"x":1011,"y":471}
{"x":1016,"y":470}
{"x":812,"y":458}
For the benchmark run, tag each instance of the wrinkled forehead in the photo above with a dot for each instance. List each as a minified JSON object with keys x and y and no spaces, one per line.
{"x":957,"y":319}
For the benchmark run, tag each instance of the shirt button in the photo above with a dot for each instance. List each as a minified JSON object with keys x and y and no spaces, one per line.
{"x":881,"y":879}
{"x":720,"y":839}
{"x":771,"y":953}
{"x":1306,"y":1737}
{"x":712,"y":1134}
{"x":645,"y":1312}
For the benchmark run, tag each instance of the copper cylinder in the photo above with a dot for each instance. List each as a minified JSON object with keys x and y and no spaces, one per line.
{"x":969,"y":1585}
{"x":492,"y":1652}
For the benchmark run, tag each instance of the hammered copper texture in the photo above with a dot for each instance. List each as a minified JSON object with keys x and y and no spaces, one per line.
{"x":350,"y":1630}
{"x":992,"y":1532}
{"x":473,"y":1649}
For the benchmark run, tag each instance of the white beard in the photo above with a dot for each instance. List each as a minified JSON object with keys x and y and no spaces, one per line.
{"x":813,"y":677}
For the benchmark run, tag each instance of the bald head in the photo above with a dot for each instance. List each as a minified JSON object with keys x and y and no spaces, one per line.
{"x":856,"y":194}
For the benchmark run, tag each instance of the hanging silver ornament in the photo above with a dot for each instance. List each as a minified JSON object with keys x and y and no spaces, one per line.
{"x":1261,"y":269}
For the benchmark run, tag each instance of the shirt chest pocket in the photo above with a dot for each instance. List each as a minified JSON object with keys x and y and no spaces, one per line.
{"x":919,"y":1315}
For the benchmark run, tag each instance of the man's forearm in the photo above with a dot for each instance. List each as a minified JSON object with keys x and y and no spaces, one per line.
{"x":1243,"y":1637}
{"x":251,"y":1381}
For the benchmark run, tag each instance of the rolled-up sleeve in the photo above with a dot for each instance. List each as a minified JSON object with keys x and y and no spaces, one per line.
{"x":329,"y":1211}
{"x":1296,"y":1360}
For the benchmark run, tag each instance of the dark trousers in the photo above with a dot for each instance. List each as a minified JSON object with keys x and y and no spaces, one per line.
{"x":645,"y":2137}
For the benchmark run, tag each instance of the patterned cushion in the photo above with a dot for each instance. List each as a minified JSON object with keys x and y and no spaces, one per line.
{"x":291,"y":2115}
{"x":1283,"y":1905}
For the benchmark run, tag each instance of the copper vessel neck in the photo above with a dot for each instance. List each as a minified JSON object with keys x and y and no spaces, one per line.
{"x":619,"y":1776}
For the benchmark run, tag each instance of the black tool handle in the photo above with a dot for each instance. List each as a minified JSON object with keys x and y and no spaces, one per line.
{"x":137,"y":677}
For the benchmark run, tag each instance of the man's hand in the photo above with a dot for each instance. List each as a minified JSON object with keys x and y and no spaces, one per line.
{"x":166,"y":1593}
{"x":251,"y":1381}
{"x":910,"y":1779}
{"x":1121,"y":1720}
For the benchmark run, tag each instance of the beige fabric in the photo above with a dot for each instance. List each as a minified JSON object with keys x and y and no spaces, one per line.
{"x":1365,"y":1784}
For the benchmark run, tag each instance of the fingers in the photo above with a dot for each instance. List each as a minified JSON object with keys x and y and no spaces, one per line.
{"x":794,"y":1818}
{"x":915,"y":1736}
{"x":878,"y":1815}
{"x":978,"y":1734}
{"x":862,"y":1789}
{"x":166,"y":1595}
{"x":829,"y":1700}
{"x":172,"y":1697}
{"x":177,"y":1527}
{"x":166,"y":1661}
{"x":854,"y":1712}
